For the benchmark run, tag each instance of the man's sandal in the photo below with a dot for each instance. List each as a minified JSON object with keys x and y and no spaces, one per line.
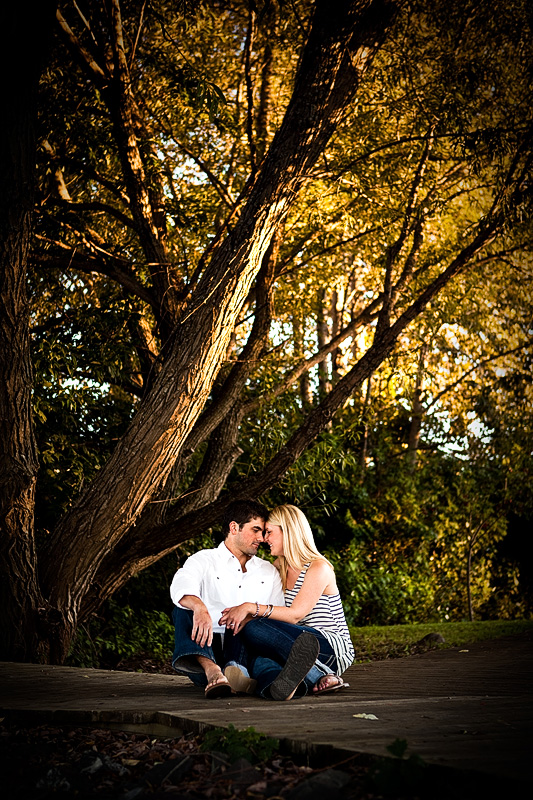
{"x":330,"y":687}
{"x":217,"y":687}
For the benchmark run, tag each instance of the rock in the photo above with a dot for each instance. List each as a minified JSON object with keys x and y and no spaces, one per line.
{"x":218,"y":760}
{"x":55,"y":780}
{"x":90,"y":762}
{"x":430,"y":640}
{"x":114,"y":766}
{"x":242,"y":773}
{"x":171,"y":771}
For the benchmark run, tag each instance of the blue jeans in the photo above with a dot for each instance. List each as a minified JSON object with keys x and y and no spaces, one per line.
{"x":225,"y":649}
{"x":269,"y":643}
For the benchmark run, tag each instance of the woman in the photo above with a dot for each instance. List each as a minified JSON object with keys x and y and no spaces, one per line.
{"x":304,"y":645}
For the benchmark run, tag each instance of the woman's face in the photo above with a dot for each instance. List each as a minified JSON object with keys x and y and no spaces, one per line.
{"x":273,"y":536}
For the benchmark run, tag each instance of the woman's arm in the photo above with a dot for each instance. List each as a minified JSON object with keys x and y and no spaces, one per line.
{"x":318,"y":577}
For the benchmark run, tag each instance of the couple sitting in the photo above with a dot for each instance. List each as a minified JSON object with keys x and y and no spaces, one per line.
{"x":245,"y":625}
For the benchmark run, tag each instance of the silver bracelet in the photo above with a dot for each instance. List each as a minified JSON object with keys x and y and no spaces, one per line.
{"x":268,"y":611}
{"x":257,"y":610}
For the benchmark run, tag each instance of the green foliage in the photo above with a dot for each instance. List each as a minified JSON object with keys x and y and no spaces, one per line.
{"x":235,"y":744}
{"x":381,"y":595}
{"x":123,"y":634}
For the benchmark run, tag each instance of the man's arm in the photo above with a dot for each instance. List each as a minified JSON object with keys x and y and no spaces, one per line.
{"x":202,"y":624}
{"x":186,"y":590}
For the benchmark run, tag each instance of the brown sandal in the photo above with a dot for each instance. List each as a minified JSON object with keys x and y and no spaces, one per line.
{"x":217,"y":687}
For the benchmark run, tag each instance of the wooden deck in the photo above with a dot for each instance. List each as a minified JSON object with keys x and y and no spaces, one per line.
{"x":468,"y":709}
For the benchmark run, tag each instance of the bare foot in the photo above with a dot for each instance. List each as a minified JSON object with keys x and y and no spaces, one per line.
{"x":329,"y":683}
{"x":217,"y":685}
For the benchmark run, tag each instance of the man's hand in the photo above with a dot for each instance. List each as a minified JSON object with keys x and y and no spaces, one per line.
{"x":202,"y":624}
{"x":236,"y":617}
{"x":202,"y":627}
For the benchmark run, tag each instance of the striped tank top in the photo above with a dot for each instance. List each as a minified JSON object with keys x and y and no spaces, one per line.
{"x":328,"y":618}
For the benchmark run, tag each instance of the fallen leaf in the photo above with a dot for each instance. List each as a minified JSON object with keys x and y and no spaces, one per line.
{"x":464,"y":651}
{"x":365,"y":716}
{"x":130,"y":762}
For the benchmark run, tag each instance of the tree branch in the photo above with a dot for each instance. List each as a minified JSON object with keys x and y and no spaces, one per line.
{"x":250,"y":89}
{"x":81,"y":54}
{"x":95,"y":205}
{"x":395,"y":248}
{"x":364,"y":318}
{"x":112,"y":267}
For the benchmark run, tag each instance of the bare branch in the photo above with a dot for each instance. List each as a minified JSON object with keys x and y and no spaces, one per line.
{"x":82,"y":55}
{"x":327,"y":250}
{"x":111,"y":266}
{"x":138,"y":34}
{"x":250,"y":33}
{"x":395,"y":248}
{"x":95,"y":205}
{"x":364,"y":318}
{"x":219,"y":186}
{"x":64,"y":198}
{"x":93,"y":174}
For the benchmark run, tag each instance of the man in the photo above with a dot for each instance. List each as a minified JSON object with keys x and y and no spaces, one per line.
{"x":209,"y":582}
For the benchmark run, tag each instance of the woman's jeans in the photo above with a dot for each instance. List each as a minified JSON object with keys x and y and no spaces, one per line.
{"x":269,"y":643}
{"x":227,"y":648}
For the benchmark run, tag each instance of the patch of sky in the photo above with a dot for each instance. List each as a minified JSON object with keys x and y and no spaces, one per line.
{"x":190,"y":171}
{"x":281,"y":333}
{"x":87,"y":383}
{"x":440,"y":434}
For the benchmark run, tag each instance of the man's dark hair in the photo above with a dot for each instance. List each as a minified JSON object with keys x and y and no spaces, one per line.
{"x":241,"y":512}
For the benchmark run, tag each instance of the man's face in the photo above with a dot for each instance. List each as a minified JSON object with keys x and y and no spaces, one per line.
{"x":248,"y":538}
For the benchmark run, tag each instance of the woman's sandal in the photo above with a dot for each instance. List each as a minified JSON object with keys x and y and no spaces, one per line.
{"x":217,"y":687}
{"x":302,"y":656}
{"x":333,"y":687}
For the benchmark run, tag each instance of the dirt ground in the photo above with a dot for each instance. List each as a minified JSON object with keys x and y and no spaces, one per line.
{"x":52,"y":762}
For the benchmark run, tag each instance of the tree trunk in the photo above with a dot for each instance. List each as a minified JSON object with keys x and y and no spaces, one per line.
{"x":322,"y":336}
{"x":336,"y":317}
{"x":364,"y":417}
{"x":417,"y":413}
{"x":469,"y":581}
{"x":27,"y":25}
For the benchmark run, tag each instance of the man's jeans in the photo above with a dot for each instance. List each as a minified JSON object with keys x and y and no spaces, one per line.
{"x":225,"y":649}
{"x":269,"y":643}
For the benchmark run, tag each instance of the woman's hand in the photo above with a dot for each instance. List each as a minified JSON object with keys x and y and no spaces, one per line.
{"x":236,"y":617}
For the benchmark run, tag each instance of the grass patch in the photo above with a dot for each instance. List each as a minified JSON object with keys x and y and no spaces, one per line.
{"x":375,"y":642}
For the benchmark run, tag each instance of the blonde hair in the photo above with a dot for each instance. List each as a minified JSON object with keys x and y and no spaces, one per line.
{"x":298,"y":543}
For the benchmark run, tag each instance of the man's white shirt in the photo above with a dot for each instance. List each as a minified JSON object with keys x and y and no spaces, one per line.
{"x":216,"y":577}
